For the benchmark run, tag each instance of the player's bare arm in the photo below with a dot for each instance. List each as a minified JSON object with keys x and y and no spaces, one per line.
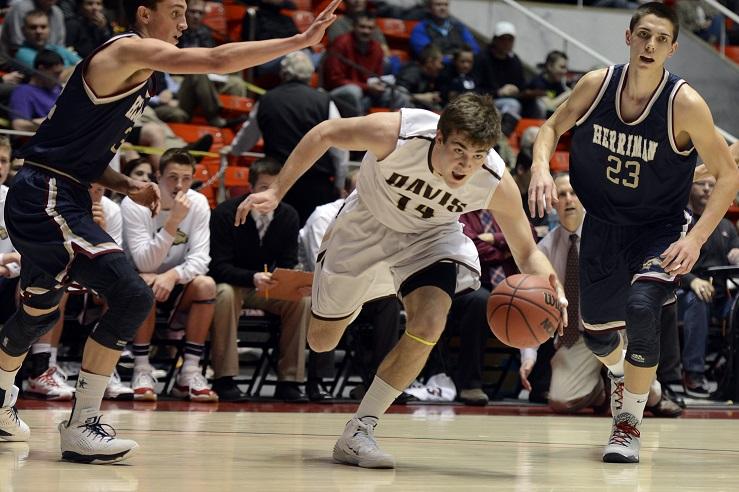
{"x":701,"y":172}
{"x":376,"y":133}
{"x":694,"y":123}
{"x":130,"y":61}
{"x":507,"y":208}
{"x":542,"y":192}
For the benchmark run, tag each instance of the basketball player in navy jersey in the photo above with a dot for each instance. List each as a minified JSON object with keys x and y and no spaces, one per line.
{"x":399,"y":232}
{"x":48,"y":207}
{"x":636,"y":130}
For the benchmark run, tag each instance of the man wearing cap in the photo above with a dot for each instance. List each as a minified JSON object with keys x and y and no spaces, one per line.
{"x":500,"y":72}
{"x":440,"y":29}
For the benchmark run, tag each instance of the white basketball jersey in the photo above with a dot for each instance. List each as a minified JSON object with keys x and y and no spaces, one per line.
{"x":402,"y":191}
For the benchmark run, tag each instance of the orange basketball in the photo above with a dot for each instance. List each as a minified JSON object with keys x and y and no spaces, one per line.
{"x":522,"y":311}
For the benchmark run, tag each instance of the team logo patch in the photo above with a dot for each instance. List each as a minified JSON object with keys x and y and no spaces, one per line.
{"x":652,"y":265}
{"x":179,"y":238}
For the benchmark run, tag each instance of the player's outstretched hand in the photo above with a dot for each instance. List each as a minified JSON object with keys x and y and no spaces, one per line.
{"x":680,"y":257}
{"x":542,"y":193}
{"x":316,"y":30}
{"x":263,"y":202}
{"x":562,"y":302}
{"x":146,"y":194}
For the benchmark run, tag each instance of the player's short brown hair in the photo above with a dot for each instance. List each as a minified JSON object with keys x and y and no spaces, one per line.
{"x":660,"y":10}
{"x":474,"y":116}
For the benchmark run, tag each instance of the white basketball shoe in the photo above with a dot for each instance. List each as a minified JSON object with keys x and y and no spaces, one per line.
{"x":624,"y":444}
{"x":357,"y":445}
{"x":90,"y":441}
{"x":144,"y":383}
{"x":12,"y":428}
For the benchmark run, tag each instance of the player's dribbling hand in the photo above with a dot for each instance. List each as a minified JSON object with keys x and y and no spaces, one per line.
{"x":562,"y":302}
{"x":146,"y":194}
{"x":680,"y":257}
{"x":527,"y":365}
{"x":316,"y":30}
{"x":263,"y":202}
{"x":542,"y":193}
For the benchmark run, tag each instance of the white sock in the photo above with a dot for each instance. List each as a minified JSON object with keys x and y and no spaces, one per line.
{"x":140,"y":361}
{"x":617,"y":369}
{"x":655,"y":393}
{"x":634,"y":404}
{"x":89,"y":395}
{"x":6,"y":385}
{"x":377,"y":400}
{"x":40,"y":348}
{"x":52,"y":359}
{"x":192,"y":363}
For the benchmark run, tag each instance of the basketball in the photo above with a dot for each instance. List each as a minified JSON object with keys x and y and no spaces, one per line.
{"x":522,"y":311}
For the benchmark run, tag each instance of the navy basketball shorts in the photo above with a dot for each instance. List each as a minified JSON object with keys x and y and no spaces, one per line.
{"x":49,"y":218}
{"x":612,"y":258}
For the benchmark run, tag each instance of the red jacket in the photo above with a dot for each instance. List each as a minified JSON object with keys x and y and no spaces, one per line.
{"x":337,"y":73}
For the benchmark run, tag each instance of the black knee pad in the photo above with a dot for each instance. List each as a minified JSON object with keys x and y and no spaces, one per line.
{"x":601,"y":343}
{"x":643,"y":309}
{"x":22,"y":330}
{"x":129,"y":303}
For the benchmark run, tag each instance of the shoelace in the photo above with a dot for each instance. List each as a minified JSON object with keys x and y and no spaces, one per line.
{"x":618,"y":390}
{"x":623,"y":433}
{"x":96,"y":430}
{"x":366,"y":433}
{"x":13,"y":414}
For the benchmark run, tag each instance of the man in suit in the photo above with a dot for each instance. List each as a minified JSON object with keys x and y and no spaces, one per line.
{"x":238,"y":259}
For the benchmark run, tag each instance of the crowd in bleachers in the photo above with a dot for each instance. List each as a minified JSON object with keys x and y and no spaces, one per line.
{"x":205,"y":273}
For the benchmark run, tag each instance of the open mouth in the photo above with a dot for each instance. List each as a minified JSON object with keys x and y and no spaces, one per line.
{"x":646,"y":59}
{"x":457,"y":176}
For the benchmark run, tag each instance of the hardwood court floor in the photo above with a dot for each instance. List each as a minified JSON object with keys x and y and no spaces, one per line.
{"x":436,"y":449}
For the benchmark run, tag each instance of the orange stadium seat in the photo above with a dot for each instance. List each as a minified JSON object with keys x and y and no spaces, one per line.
{"x":560,"y":162}
{"x":215,"y":19}
{"x":402,"y":55}
{"x":235,"y":104}
{"x":234,"y":14}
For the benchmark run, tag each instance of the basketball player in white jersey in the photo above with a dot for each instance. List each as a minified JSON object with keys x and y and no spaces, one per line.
{"x":398,"y":233}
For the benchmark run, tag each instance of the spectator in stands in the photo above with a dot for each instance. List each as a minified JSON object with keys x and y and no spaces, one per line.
{"x":171,"y":252}
{"x":576,"y":380}
{"x":700,"y":298}
{"x":12,"y":36}
{"x":421,"y":79}
{"x":353,"y":67}
{"x":469,"y":312}
{"x":700,"y":18}
{"x":283,"y":115}
{"x":549,"y":88}
{"x":36,"y":39}
{"x":89,"y":28}
{"x":382,"y":314}
{"x":345,"y":24}
{"x":270,"y":240}
{"x":139,"y":170}
{"x":501,"y":75}
{"x":439,"y":29}
{"x":269,"y":23}
{"x":9,"y":258}
{"x":457,"y":77}
{"x":184,"y":95}
{"x":401,"y":9}
{"x":31,"y":102}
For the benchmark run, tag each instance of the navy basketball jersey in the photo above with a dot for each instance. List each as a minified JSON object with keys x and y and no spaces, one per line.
{"x":83,"y":131}
{"x":630,"y":173}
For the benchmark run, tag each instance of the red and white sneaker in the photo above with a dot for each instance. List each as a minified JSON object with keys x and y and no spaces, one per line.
{"x":49,"y":386}
{"x":144,"y":384}
{"x":193,"y":386}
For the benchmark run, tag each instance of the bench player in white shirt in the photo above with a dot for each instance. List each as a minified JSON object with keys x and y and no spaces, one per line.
{"x":399,"y":233}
